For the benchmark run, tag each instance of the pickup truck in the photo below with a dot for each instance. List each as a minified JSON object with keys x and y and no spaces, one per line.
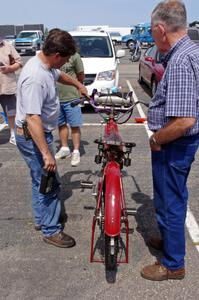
{"x":142,"y":33}
{"x":29,"y":41}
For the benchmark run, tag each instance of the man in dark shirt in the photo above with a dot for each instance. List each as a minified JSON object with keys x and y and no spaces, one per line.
{"x":173,"y":117}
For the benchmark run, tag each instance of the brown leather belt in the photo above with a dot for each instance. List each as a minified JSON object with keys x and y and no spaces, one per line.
{"x":19,"y":131}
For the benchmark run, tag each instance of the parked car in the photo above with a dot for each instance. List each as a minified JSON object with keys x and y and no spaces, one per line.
{"x":99,"y":59}
{"x":116,"y":37}
{"x":193,"y":33}
{"x":151,"y":68}
{"x":10,"y":39}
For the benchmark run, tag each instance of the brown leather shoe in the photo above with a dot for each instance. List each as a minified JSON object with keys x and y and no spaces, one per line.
{"x":156,"y":243}
{"x":158,"y":272}
{"x":60,"y":239}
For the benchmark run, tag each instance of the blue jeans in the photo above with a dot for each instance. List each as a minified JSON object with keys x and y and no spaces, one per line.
{"x":46,"y":208}
{"x":170,"y":168}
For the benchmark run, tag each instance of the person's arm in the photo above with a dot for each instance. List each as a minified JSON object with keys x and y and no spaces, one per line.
{"x":10,"y":68}
{"x":181,"y":105}
{"x":15,"y":65}
{"x":80,"y":77}
{"x":66,"y":79}
{"x":173,"y":130}
{"x":37,"y":133}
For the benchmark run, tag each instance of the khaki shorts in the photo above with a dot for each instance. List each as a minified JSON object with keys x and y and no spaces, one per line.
{"x":8,"y":103}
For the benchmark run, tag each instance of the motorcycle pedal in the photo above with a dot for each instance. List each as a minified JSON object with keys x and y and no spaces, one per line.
{"x":86,"y":184}
{"x":94,"y":191}
{"x":131,"y":211}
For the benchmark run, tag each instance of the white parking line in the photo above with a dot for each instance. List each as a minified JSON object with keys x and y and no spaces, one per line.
{"x":191,"y":223}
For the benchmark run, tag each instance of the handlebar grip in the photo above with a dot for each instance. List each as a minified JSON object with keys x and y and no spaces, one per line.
{"x":76,"y":102}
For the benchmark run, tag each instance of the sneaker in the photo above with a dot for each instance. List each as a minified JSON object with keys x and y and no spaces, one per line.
{"x":60,"y":239}
{"x":75,"y":159}
{"x":12,"y":140}
{"x":62,"y":153}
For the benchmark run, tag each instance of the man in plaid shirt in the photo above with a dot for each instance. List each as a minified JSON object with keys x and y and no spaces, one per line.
{"x":173,"y":117}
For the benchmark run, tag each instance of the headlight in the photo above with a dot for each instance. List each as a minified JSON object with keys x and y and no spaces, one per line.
{"x":106,"y":75}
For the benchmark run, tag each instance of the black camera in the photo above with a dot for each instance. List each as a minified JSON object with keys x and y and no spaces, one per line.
{"x":47,"y":181}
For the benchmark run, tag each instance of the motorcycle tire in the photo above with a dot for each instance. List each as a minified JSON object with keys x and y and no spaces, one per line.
{"x":111,"y":253}
{"x":136,"y":57}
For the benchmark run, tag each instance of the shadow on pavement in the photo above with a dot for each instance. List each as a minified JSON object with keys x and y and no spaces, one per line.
{"x":4,"y":136}
{"x":146,"y":220}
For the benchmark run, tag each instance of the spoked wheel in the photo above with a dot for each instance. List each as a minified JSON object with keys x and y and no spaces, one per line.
{"x":111,"y":251}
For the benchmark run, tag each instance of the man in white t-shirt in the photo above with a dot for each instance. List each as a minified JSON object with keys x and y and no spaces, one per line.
{"x":38,"y":108}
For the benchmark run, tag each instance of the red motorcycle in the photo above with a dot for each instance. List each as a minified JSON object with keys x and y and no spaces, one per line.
{"x":111,"y":214}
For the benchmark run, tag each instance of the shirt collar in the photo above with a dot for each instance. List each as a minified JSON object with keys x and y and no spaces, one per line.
{"x":173,"y":49}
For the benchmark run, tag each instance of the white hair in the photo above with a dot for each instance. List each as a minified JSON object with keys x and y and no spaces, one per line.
{"x":171,"y":13}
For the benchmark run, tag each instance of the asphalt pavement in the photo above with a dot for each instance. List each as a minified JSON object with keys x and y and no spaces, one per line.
{"x":33,"y":270}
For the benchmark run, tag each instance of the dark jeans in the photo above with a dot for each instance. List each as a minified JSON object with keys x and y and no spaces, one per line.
{"x":171,"y":167}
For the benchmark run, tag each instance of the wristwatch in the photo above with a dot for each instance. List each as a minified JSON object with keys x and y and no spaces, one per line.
{"x":153,"y":141}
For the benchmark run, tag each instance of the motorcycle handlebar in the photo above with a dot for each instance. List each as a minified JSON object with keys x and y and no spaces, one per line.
{"x":107,"y":102}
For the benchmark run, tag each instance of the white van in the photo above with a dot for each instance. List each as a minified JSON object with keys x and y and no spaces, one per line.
{"x":99,"y":58}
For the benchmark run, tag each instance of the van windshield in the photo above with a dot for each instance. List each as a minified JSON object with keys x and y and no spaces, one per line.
{"x":31,"y":35}
{"x":93,"y":46}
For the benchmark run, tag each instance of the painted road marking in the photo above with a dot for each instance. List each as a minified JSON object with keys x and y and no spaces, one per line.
{"x":191,"y":223}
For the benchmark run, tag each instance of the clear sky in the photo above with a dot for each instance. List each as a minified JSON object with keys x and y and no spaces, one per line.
{"x":67,"y":14}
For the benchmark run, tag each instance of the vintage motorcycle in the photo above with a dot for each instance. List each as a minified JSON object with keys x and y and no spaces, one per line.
{"x":135,"y":51}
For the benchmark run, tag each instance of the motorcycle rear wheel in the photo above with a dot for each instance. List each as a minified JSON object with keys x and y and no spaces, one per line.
{"x":111,"y":252}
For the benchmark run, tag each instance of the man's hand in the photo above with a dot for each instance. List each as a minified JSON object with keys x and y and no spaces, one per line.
{"x":66,"y":79}
{"x":49,"y":162}
{"x":153,"y":144}
{"x":83,"y":90}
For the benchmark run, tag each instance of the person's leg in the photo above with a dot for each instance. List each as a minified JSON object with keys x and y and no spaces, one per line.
{"x":63,"y":134}
{"x":64,"y":150}
{"x":9,"y":108}
{"x":74,"y":119}
{"x":76,"y":137}
{"x":170,"y":199}
{"x":46,"y":208}
{"x":170,"y":172}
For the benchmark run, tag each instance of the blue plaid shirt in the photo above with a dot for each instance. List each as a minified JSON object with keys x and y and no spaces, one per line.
{"x":177,"y":93}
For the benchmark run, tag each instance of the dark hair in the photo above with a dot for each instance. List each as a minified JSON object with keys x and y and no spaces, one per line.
{"x":172,"y":13}
{"x":59,"y":41}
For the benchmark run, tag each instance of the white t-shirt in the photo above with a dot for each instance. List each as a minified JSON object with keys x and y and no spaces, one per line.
{"x":37,"y":94}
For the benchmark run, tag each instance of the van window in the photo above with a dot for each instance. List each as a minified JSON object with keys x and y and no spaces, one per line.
{"x":93,"y":46}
